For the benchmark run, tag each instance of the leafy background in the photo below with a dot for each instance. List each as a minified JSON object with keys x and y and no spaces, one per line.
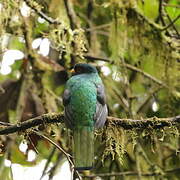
{"x":137,"y":56}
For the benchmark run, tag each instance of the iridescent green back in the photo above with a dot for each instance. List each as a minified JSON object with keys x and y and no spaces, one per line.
{"x":83,"y":99}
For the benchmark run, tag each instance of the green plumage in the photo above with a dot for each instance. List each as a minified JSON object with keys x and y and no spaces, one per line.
{"x":83,"y":105}
{"x":83,"y":153}
{"x":80,"y":100}
{"x":83,"y":99}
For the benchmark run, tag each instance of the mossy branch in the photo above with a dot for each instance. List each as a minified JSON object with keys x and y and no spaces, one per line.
{"x":129,"y":173}
{"x":43,"y":119}
{"x":51,"y":118}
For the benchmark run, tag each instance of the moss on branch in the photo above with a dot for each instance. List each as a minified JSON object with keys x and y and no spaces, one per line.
{"x":51,"y":118}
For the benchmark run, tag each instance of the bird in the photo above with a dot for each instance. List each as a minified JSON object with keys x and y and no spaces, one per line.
{"x":85,"y":110}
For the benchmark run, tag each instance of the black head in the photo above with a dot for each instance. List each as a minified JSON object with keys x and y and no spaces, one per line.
{"x":82,"y":68}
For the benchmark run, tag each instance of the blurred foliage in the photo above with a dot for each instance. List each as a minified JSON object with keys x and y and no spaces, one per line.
{"x":132,"y":34}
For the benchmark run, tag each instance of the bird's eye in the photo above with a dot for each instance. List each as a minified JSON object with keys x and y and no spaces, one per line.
{"x":78,"y":70}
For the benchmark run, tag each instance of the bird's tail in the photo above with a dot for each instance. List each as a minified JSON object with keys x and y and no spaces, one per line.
{"x":83,"y":148}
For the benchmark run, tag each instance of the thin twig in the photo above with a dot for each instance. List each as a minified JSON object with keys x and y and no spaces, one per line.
{"x":71,"y":14}
{"x":56,"y":145}
{"x":102,"y":26}
{"x":171,"y":5}
{"x":133,"y":68}
{"x":94,"y":58}
{"x":129,"y":66}
{"x":48,"y":162}
{"x":73,"y":24}
{"x":33,"y":145}
{"x":170,"y":20}
{"x":5,"y":123}
{"x":171,"y":23}
{"x":104,"y":33}
{"x":161,"y":12}
{"x":52,"y":171}
{"x":147,"y":100}
{"x":68,"y":156}
{"x":42,"y":15}
{"x":152,"y":24}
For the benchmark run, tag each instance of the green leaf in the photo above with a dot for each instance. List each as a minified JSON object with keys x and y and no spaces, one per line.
{"x":44,"y":149}
{"x":19,"y":157}
{"x":149,"y":8}
{"x":173,"y":12}
{"x":15,"y":43}
{"x":6,"y":174}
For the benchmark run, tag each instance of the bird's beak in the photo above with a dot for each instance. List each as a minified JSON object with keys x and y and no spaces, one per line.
{"x":72,"y":71}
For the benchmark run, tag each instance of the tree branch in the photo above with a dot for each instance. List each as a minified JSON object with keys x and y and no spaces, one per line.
{"x":171,"y":23}
{"x":68,"y":156}
{"x":41,"y":14}
{"x":94,"y":58}
{"x":44,"y":119}
{"x":161,"y":12}
{"x":153,"y":122}
{"x":59,"y":118}
{"x":128,"y":173}
{"x":173,"y":26}
{"x":48,"y":162}
{"x":131,"y":67}
{"x":71,"y":14}
{"x":171,"y":5}
{"x":145,"y":74}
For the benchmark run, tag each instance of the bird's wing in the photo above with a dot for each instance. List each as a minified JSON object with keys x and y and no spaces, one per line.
{"x":68,"y":110}
{"x":101,"y":108}
{"x":66,"y":97}
{"x":101,"y":97}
